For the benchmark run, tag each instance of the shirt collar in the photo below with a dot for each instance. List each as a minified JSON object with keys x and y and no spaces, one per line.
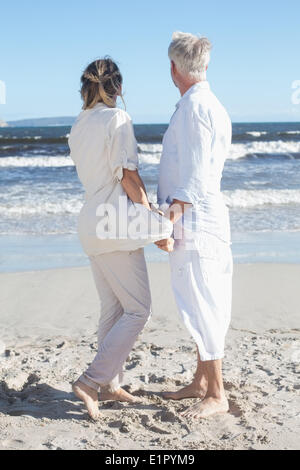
{"x":99,"y":105}
{"x":204,"y":85}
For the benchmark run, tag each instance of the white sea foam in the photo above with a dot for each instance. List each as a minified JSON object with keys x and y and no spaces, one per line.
{"x":256,"y":133}
{"x":274,"y":147}
{"x":70,"y":206}
{"x":257,"y":183}
{"x":234,"y":199}
{"x":151,"y":153}
{"x":150,"y":148}
{"x":36,"y":161}
{"x":241,"y":198}
{"x":292,"y":132}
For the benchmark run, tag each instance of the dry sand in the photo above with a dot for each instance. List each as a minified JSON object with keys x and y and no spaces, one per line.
{"x":48,"y":321}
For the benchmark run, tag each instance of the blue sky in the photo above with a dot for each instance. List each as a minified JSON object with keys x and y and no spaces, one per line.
{"x":255,"y":58}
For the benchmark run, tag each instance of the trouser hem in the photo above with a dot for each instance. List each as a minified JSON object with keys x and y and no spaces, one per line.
{"x":97,"y":386}
{"x":207,"y":357}
{"x":90,"y":383}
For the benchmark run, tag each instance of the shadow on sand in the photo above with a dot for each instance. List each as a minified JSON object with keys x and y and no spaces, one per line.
{"x":40,"y":400}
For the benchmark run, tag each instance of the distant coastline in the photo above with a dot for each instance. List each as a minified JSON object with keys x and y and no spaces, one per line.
{"x":43,"y":122}
{"x":69,"y":121}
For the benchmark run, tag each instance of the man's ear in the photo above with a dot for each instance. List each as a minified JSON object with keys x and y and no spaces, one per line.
{"x":173,"y":66}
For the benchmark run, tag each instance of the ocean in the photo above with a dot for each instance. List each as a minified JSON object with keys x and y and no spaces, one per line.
{"x":40,"y":195}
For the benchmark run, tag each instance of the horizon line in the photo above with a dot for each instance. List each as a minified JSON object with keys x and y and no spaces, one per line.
{"x":141,"y":123}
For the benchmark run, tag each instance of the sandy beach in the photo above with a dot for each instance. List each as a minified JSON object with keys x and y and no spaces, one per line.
{"x":48,"y":321}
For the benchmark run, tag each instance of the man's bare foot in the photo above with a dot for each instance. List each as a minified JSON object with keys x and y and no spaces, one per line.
{"x":89,"y":396}
{"x":190,"y":391}
{"x":118,"y":395}
{"x":208,"y":407}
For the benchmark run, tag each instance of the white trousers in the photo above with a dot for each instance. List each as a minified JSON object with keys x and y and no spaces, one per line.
{"x":201,"y":271}
{"x":122,"y":282}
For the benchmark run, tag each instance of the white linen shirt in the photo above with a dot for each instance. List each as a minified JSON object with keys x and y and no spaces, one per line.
{"x":195,"y":147}
{"x":102,"y":144}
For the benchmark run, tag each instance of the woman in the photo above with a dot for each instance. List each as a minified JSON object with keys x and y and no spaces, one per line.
{"x":104,"y":150}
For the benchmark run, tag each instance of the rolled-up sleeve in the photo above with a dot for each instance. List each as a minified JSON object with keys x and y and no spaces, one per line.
{"x":193,"y":142}
{"x":123,"y":146}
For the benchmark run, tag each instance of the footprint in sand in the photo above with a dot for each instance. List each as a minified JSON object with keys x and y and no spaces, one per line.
{"x":235,"y":409}
{"x":132,"y":365}
{"x":148,"y":424}
{"x":15,"y":385}
{"x":13,"y":444}
{"x":166,"y":417}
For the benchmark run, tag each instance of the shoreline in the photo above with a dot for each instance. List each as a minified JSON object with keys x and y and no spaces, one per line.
{"x":27,"y":253}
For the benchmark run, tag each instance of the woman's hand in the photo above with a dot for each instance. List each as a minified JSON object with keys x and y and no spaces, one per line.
{"x":166,"y":245}
{"x":156,"y":210}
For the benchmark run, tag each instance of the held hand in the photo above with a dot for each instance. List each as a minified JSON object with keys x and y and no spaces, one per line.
{"x":154,"y":209}
{"x":166,"y":244}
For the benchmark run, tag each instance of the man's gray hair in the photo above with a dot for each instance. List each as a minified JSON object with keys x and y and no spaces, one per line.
{"x":190,"y":54}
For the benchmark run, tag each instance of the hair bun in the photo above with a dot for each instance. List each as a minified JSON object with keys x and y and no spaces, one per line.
{"x":92,"y":78}
{"x":106,"y":74}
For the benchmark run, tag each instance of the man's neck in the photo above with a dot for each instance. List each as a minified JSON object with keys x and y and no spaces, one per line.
{"x":185,"y":86}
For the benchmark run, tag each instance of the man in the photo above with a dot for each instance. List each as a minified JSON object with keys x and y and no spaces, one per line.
{"x":195,"y":147}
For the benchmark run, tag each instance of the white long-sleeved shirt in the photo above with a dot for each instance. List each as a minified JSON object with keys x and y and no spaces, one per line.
{"x":195,"y":148}
{"x":102,"y":144}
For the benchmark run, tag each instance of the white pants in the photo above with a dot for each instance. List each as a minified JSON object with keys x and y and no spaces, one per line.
{"x":122,"y":282}
{"x":201,"y":271}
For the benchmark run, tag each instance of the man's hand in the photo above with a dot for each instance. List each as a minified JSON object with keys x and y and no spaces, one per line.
{"x":176,"y":210}
{"x":166,"y":245}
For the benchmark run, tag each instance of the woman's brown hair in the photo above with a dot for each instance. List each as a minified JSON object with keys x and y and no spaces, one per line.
{"x":100,"y":83}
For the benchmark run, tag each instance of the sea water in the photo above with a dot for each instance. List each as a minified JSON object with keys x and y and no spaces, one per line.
{"x":41,"y":196}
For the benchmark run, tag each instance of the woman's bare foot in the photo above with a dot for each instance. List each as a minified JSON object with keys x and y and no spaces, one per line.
{"x":118,"y":395}
{"x":89,"y":396}
{"x":210,"y":406}
{"x":190,"y":391}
